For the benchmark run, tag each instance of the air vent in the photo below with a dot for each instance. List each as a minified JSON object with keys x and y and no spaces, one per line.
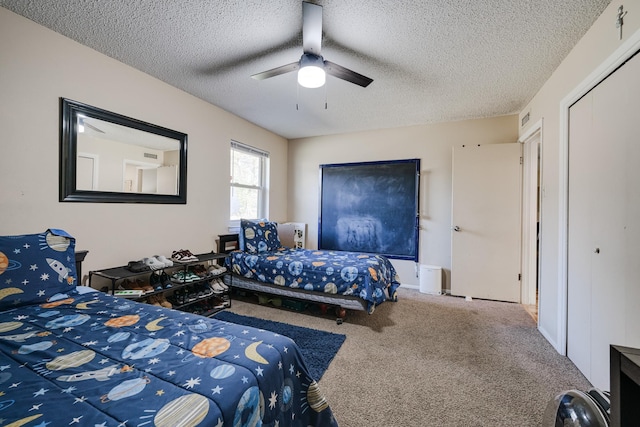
{"x":150,"y":156}
{"x":525,"y":119}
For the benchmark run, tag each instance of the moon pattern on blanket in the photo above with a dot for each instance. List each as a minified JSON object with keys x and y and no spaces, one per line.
{"x":153,"y":325}
{"x":24,"y":421}
{"x":252,"y":353}
{"x":9,"y":291}
{"x":85,"y":305}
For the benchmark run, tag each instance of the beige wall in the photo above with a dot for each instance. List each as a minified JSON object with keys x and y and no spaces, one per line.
{"x":432,"y":144}
{"x":594,"y":48}
{"x":37,"y":67}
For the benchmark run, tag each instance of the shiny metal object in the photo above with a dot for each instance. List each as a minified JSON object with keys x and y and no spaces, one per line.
{"x":574,"y":408}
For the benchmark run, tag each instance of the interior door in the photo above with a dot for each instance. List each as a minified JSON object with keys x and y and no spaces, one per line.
{"x":486,"y":233}
{"x":85,"y":173}
{"x":579,"y":255}
{"x":604,"y":201}
{"x":167,"y":179}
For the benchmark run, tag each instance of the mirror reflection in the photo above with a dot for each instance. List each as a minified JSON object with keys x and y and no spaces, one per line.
{"x":117,"y":158}
{"x":107,"y":157}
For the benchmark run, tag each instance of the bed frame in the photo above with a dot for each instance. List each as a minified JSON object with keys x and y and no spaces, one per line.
{"x":230,"y":242}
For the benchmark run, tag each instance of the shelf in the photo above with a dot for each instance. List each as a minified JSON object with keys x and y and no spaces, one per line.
{"x":625,"y":385}
{"x":115,"y":274}
{"x":122,"y":272}
{"x":190,"y":303}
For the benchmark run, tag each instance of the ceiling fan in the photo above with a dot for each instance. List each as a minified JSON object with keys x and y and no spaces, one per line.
{"x":312,"y":67}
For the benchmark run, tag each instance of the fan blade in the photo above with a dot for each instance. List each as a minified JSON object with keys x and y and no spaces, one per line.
{"x":311,"y":28}
{"x":277,"y":71}
{"x":340,"y":72}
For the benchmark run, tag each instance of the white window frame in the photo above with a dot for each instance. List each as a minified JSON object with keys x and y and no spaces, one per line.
{"x":262,"y":187}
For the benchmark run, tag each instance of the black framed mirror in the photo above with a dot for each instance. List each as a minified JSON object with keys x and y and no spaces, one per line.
{"x":108,"y":157}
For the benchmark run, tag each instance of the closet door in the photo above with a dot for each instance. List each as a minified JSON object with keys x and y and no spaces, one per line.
{"x":603,"y":215}
{"x":579,"y":259}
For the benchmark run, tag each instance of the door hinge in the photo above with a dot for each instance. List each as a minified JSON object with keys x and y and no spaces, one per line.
{"x":519,"y":277}
{"x":521,"y":160}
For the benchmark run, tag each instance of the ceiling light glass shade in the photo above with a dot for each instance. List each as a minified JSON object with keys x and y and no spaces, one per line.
{"x":311,"y":73}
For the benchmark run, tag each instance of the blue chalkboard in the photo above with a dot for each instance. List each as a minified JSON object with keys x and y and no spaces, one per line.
{"x":370,"y":207}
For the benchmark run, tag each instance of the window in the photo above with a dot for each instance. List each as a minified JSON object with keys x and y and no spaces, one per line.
{"x":249,"y":167}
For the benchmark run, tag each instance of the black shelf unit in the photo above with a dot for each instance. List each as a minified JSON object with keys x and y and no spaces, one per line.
{"x":115,"y":274}
{"x":625,"y":385}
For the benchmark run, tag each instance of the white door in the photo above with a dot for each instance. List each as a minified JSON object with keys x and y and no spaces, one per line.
{"x":168,"y":180}
{"x":486,"y":233}
{"x":579,"y":242}
{"x":603,"y":231}
{"x":86,"y":176}
{"x":530,"y":218}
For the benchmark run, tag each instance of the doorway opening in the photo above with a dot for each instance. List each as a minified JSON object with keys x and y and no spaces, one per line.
{"x":531,"y":201}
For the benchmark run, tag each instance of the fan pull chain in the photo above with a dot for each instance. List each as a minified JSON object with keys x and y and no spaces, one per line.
{"x":297,"y":96}
{"x":325,"y":95}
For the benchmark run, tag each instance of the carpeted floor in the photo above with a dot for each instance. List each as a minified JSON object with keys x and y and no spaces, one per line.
{"x":437,"y":361}
{"x":317,"y":347}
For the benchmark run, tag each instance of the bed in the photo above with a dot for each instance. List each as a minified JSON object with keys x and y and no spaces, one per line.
{"x":71,"y":355}
{"x":347,"y":280}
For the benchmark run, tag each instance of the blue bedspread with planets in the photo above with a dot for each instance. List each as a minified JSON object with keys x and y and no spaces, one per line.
{"x":367,"y":276}
{"x":97,"y":360}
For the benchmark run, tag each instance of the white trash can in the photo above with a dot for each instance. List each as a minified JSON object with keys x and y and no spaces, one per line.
{"x":431,"y":279}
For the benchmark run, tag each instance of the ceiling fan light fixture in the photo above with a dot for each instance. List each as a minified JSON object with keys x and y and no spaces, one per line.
{"x":311,"y":73}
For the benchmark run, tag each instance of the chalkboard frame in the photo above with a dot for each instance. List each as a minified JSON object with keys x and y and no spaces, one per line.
{"x":370,"y":207}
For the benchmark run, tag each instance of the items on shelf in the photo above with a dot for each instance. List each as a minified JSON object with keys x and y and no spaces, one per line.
{"x":196,"y":286}
{"x":136,"y":285}
{"x":137,"y":267}
{"x":183,"y":255}
{"x":160,"y":300}
{"x":125,"y":293}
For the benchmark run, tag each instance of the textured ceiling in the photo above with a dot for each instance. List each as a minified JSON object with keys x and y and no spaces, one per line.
{"x":431,"y":61}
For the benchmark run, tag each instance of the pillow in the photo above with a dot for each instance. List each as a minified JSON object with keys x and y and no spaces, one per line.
{"x":258,"y":236}
{"x":35,"y":267}
{"x":244,"y":222}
